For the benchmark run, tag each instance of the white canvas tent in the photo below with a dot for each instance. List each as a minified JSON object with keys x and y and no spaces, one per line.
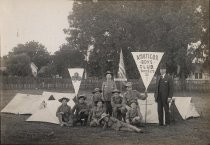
{"x":29,"y":104}
{"x":183,"y":104}
{"x":185,"y":107}
{"x":57,"y":95}
{"x":152,"y":114}
{"x":48,"y":113}
{"x":23,"y":104}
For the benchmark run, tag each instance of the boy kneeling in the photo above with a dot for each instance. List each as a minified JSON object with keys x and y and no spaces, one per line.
{"x":64,"y":113}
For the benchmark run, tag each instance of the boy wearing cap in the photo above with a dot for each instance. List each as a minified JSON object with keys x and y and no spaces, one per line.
{"x":96,"y":96}
{"x":134,"y":116}
{"x":97,"y":111}
{"x":64,"y":113}
{"x":118,"y":109}
{"x":81,"y":111}
{"x":116,"y":124}
{"x":163,"y":94}
{"x":132,"y":96}
{"x":107,"y":87}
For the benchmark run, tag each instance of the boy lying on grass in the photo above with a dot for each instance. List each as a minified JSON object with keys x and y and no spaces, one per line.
{"x":116,"y":124}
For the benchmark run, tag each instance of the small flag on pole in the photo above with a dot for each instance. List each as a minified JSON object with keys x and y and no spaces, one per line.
{"x":34,"y":69}
{"x":121,"y":75}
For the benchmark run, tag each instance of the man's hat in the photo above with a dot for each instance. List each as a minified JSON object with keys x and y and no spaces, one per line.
{"x":162,"y":66}
{"x":128,"y":84}
{"x":103,"y":116}
{"x":99,"y":101}
{"x":64,"y":98}
{"x":108,"y":72}
{"x":115,"y":91}
{"x":134,"y":101}
{"x":97,"y":90}
{"x":82,"y":96}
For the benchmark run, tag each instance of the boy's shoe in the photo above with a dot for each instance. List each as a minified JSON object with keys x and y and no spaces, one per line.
{"x":140,"y":131}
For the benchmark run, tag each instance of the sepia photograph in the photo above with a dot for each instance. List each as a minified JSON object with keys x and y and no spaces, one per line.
{"x":104,"y":72}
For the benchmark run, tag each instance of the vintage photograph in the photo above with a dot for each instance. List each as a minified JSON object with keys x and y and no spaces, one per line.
{"x":105,"y":72}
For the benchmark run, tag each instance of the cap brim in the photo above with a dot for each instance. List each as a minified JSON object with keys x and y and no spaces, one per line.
{"x":67,"y":100}
{"x":103,"y":117}
{"x":81,"y":97}
{"x":97,"y":91}
{"x":116,"y":92}
{"x":99,"y":101}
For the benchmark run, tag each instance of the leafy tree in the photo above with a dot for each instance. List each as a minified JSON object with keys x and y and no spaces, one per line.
{"x":167,"y":26}
{"x":18,"y":65}
{"x":36,"y":51}
{"x":19,"y":59}
{"x":47,"y":71}
{"x":67,"y":57}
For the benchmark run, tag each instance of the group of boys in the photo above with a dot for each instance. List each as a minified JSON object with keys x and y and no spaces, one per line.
{"x":125,"y":110}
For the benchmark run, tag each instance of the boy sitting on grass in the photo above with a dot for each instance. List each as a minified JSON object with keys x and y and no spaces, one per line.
{"x":134,"y":116}
{"x":81,"y":111}
{"x":64,"y":113}
{"x":96,"y":113}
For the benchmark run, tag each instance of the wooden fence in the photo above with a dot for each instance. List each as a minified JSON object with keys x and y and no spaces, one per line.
{"x":22,"y":83}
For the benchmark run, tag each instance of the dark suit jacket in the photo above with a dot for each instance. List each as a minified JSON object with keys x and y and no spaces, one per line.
{"x":167,"y":86}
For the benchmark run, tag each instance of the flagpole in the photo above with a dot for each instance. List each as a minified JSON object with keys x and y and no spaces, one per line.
{"x":146,"y":109}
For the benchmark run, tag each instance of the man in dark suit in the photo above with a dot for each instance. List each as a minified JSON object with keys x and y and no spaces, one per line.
{"x":163,"y":94}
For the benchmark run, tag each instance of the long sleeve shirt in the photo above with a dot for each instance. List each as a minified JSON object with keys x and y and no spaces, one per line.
{"x":132,"y":96}
{"x":116,"y":101}
{"x":107,"y":88}
{"x":97,"y":112}
{"x":65,"y":109}
{"x":132,"y":113}
{"x":80,"y":107}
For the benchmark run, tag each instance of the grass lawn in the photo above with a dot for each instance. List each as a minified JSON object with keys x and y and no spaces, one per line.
{"x":15,"y":130}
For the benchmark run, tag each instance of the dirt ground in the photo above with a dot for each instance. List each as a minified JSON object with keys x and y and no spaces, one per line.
{"x":196,"y":131}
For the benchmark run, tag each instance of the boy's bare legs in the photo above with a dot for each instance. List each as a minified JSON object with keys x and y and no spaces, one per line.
{"x":128,"y":127}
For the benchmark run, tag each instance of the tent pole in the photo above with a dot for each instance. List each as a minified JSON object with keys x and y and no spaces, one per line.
{"x":146,"y":110}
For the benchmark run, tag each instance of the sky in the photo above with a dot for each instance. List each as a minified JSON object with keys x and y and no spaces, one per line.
{"x":39,"y":20}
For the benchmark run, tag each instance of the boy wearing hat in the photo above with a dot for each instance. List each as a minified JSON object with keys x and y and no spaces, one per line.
{"x":64,"y":113}
{"x":163,"y":94}
{"x":96,"y":96}
{"x":118,"y":109}
{"x":116,"y":124}
{"x":134,"y":116}
{"x":81,"y":111}
{"x":97,"y":111}
{"x":132,"y":96}
{"x":107,"y":87}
